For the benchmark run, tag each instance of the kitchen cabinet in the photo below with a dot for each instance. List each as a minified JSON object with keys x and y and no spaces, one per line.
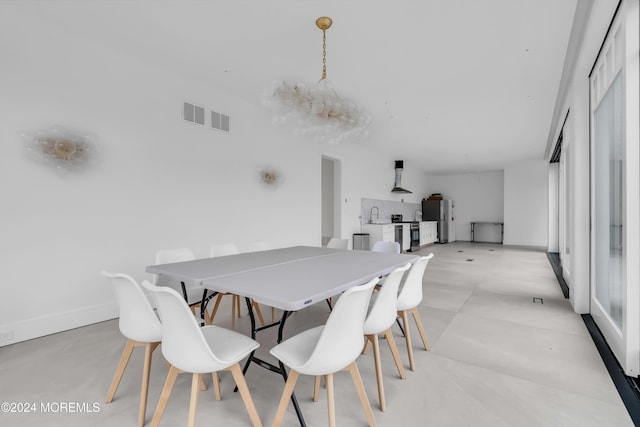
{"x":379,"y":232}
{"x":387,"y":233}
{"x":428,"y":232}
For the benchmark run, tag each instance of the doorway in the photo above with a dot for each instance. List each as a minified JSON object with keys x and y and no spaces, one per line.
{"x":330,"y":199}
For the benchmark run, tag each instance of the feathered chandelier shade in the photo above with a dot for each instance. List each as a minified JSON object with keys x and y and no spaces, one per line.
{"x":316,"y":109}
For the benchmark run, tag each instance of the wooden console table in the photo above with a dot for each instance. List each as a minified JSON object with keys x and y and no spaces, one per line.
{"x":501,"y":224}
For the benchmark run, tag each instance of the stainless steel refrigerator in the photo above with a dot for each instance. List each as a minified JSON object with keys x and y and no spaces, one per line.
{"x":441,"y":211}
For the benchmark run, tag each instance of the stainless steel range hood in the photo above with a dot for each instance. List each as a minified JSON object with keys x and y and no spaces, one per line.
{"x":397,"y":188}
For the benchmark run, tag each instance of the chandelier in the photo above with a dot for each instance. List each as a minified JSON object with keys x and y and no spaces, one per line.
{"x":316,"y":109}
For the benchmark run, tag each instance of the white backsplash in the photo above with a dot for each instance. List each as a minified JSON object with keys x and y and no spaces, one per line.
{"x":387,"y":208}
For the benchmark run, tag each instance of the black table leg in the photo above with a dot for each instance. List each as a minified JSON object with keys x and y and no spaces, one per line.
{"x":278,"y":369}
{"x":204,"y":303}
{"x":184,"y":292}
{"x":252,"y":317}
{"x":400,"y":326}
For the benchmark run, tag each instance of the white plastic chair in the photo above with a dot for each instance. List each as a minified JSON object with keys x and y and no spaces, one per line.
{"x":335,"y":243}
{"x":259,"y":246}
{"x":327,"y":349}
{"x":192,"y":294}
{"x":224,"y":250}
{"x":387,"y":247}
{"x":140,"y":325}
{"x":382,"y":315}
{"x":190,"y":348}
{"x":409,"y":298}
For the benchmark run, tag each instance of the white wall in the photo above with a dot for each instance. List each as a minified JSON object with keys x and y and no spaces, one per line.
{"x":526,"y":204}
{"x":477,"y":197}
{"x":154,"y":181}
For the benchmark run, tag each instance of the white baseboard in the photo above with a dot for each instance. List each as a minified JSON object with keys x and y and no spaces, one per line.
{"x":541,"y":246}
{"x":24,"y":330}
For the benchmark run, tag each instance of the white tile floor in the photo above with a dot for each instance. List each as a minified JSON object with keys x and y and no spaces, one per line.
{"x":496,"y":359}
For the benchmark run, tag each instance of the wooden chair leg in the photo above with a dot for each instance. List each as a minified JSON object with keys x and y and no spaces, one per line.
{"x":164,"y":396}
{"x":146,"y":372}
{"x":273,"y":314}
{"x":330,"y":400}
{"x":124,"y":360}
{"x":245,"y":394}
{"x":407,"y":337}
{"x":233,"y":313}
{"x":203,"y":386}
{"x":195,"y":309}
{"x":362,"y":394}
{"x":209,"y":319}
{"x":216,"y":385}
{"x":316,"y":388}
{"x":416,"y":317}
{"x":193,"y":404}
{"x":236,"y":301}
{"x":367,"y":346}
{"x":286,"y":395}
{"x":394,"y":351}
{"x":378,"y":366}
{"x":258,"y":311}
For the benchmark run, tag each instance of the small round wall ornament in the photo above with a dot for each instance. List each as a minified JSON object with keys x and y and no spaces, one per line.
{"x":270,"y":177}
{"x":59,"y":147}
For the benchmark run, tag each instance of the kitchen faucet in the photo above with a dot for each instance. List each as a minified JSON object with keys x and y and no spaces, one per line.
{"x":371,"y":214}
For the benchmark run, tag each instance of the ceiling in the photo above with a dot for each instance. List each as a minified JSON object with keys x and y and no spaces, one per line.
{"x":454,"y":86}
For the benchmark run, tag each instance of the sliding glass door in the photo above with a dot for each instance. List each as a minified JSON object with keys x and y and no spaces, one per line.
{"x":608,"y":197}
{"x":615,"y":218}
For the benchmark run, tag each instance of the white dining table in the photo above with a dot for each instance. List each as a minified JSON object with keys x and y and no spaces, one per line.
{"x":289,"y":279}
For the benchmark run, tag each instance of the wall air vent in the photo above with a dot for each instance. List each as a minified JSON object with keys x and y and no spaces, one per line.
{"x":193,"y":113}
{"x":219,"y":121}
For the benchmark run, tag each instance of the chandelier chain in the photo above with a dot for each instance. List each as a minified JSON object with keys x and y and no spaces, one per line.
{"x":324,"y":55}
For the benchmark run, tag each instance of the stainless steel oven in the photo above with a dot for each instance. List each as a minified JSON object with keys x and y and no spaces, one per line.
{"x":414,"y":232}
{"x":415,"y":236}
